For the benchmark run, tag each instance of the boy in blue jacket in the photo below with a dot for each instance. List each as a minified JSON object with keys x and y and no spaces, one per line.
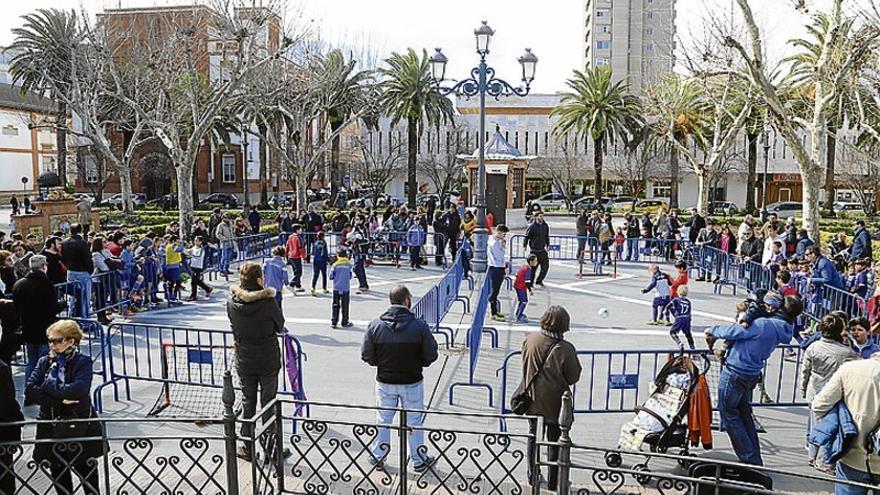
{"x":275,"y":272}
{"x":660,"y":284}
{"x":415,"y":237}
{"x":341,"y":275}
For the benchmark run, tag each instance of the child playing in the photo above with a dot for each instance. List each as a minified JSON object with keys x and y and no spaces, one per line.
{"x":133,"y":281}
{"x":660,"y":284}
{"x":295,"y":255}
{"x":619,"y":240}
{"x":174,"y":250}
{"x":776,"y":256}
{"x":466,"y":253}
{"x":275,"y":272}
{"x":319,"y":263}
{"x":415,"y":237}
{"x":197,"y":255}
{"x":680,"y":280}
{"x":680,"y":308}
{"x":523,"y":287}
{"x":859,"y":284}
{"x":341,"y":275}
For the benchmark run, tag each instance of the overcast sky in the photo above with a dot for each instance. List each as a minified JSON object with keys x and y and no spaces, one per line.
{"x":551,"y":28}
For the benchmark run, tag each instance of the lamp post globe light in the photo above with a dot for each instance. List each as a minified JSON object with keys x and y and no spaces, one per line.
{"x":482,"y":82}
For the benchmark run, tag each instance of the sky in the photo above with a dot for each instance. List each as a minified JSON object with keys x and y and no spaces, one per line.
{"x":551,"y":28}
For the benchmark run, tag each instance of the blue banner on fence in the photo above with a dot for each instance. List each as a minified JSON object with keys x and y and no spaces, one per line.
{"x":623,"y":381}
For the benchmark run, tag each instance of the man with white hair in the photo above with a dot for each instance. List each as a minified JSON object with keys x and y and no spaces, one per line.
{"x":37,"y":305}
{"x":747,"y":225}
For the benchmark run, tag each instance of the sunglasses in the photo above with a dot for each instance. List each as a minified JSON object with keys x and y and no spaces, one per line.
{"x":57,"y":340}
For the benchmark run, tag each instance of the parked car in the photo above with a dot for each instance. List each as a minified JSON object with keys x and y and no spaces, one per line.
{"x":842,"y":207}
{"x":223,"y":200}
{"x":549,"y":200}
{"x":170,"y":198}
{"x":284,"y":198}
{"x":623,"y":203}
{"x":727,"y":208}
{"x":589,"y":204}
{"x":360,"y":203}
{"x":651,"y":205}
{"x":139,"y":199}
{"x":80,"y":196}
{"x":785,"y":209}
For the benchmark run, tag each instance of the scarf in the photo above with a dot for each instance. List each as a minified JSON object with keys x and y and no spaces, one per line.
{"x":551,"y":335}
{"x":59,"y":363}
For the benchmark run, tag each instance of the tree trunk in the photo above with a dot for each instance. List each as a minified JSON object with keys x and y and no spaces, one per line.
{"x":412,"y":152}
{"x":598,"y":162}
{"x":812,"y":183}
{"x":61,"y":142}
{"x":751,"y":177}
{"x":702,"y":190}
{"x":264,"y":167}
{"x":184,"y":174}
{"x":830,"y":151}
{"x":673,"y":178}
{"x":335,"y":175}
{"x":124,"y":173}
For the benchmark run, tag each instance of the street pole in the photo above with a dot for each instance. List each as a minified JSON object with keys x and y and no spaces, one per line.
{"x":481,"y":232}
{"x":244,"y":161}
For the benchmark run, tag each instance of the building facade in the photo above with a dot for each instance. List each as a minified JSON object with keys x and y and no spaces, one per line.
{"x":636,"y":38}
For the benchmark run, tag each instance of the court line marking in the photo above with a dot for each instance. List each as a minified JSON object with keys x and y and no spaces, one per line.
{"x":715,"y":316}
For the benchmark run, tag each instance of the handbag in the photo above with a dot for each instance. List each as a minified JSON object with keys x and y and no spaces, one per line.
{"x":522,"y":399}
{"x":62,"y":427}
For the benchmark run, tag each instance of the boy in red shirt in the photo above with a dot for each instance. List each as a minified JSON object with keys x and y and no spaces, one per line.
{"x":523,"y":286}
{"x":678,"y":281}
{"x":295,"y":254}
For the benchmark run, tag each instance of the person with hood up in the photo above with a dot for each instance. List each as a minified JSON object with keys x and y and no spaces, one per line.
{"x":255,"y":318}
{"x":399,"y":345}
{"x":341,"y":274}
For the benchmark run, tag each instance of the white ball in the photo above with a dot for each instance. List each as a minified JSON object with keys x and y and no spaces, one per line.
{"x":603,"y":313}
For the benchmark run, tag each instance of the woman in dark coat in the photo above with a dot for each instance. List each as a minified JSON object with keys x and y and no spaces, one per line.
{"x":61,"y":385}
{"x":256,"y":320}
{"x":9,"y":412}
{"x":550,"y":366}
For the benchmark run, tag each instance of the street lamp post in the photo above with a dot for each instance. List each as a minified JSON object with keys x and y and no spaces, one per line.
{"x":766,"y":140}
{"x":481,"y":83}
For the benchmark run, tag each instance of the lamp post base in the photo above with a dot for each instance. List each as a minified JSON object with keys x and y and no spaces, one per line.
{"x":481,"y":241}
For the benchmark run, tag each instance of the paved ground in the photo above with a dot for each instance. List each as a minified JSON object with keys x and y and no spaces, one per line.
{"x":334,"y":371}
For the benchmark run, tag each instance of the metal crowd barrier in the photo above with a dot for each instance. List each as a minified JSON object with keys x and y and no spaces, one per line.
{"x":435,"y":304}
{"x":136,"y":352}
{"x":619,"y":380}
{"x":383,"y":246}
{"x":474,"y":338}
{"x":73,"y":292}
{"x":576,"y":248}
{"x":107,"y":292}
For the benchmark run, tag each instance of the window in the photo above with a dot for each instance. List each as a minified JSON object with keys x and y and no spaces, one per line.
{"x":601,"y":61}
{"x":603,"y":13}
{"x":228,"y":162}
{"x":649,"y":15}
{"x":603,"y":45}
{"x":49,"y":164}
{"x":10,"y":130}
{"x":661,"y":189}
{"x":91,"y":170}
{"x":649,"y":32}
{"x":605,"y":29}
{"x":649,"y":47}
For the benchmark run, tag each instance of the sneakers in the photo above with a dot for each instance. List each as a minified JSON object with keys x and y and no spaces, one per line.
{"x":192,"y":298}
{"x":379,"y":464}
{"x":423,"y":466}
{"x":653,"y":323}
{"x":333,"y":325}
{"x":667,"y":323}
{"x":326,"y":291}
{"x":314,"y":293}
{"x":209,"y":291}
{"x":522,"y":319}
{"x":347,"y":324}
{"x":298,"y":290}
{"x":498,"y":317}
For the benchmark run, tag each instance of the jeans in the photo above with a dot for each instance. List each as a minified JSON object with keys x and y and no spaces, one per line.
{"x":415,"y":256}
{"x":734,"y":405}
{"x":34,"y":353}
{"x":340,"y":301}
{"x":197,"y":281}
{"x":544,"y":264}
{"x":360,"y":271}
{"x":268,"y":387}
{"x":79,"y":304}
{"x":632,"y":249}
{"x":847,"y":473}
{"x":496,"y":277}
{"x":297,"y":265}
{"x":411,"y":397}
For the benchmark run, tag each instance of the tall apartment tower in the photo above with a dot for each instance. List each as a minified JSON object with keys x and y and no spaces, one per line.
{"x":635,"y":37}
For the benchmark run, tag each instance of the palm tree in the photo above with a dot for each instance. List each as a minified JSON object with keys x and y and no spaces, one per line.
{"x":598,"y":107}
{"x":410,"y":94}
{"x":679,"y":107}
{"x":342,"y":92}
{"x":41,"y":62}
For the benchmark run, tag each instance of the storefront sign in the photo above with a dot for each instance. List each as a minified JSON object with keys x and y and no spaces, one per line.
{"x":786,"y":178}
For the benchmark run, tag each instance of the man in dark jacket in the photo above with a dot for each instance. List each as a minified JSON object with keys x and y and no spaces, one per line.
{"x":751,"y":248}
{"x":256,"y":320}
{"x":537,"y":239}
{"x":861,"y":246}
{"x":37,"y":306}
{"x":76,"y":257}
{"x":399,"y":346}
{"x":696,"y":224}
{"x":10,"y":412}
{"x":215,"y":220}
{"x":632,"y":237}
{"x":452,"y":227}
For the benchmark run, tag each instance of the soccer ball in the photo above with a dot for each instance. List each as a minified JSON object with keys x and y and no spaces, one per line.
{"x":603,"y":312}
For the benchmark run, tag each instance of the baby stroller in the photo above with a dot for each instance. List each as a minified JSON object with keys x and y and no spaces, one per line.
{"x":660,"y":421}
